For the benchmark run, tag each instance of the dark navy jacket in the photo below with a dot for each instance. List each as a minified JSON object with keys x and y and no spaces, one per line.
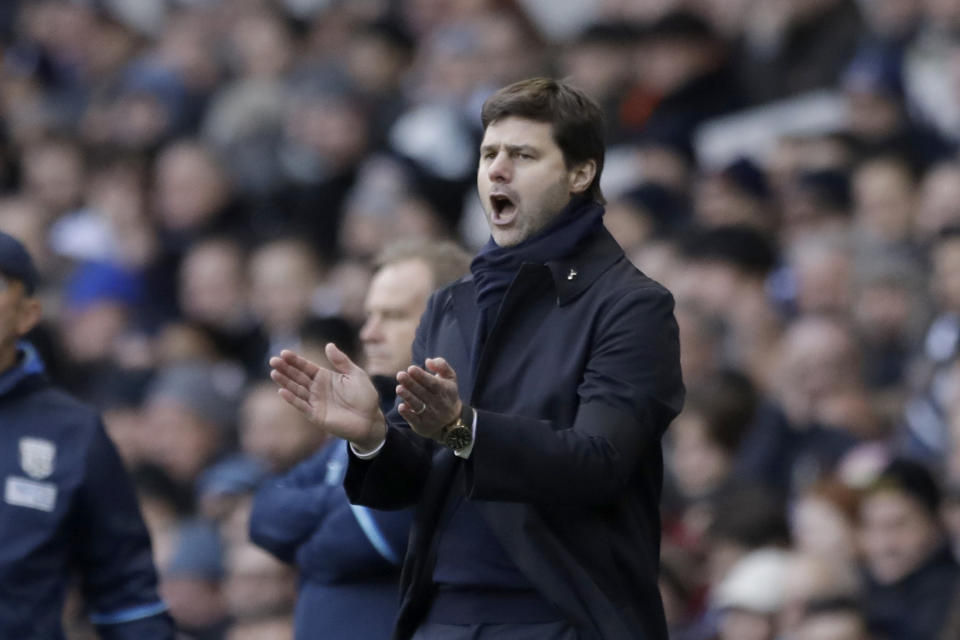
{"x":349,"y":556}
{"x":576,"y":383}
{"x":68,"y":505}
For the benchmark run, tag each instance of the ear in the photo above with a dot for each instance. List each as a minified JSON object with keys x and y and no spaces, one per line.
{"x":581,"y":176}
{"x":28,"y":315}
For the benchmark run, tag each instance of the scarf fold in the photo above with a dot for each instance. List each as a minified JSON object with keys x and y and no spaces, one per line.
{"x":494,"y":267}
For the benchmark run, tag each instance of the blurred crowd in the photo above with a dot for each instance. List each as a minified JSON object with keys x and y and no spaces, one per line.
{"x":206,"y":182}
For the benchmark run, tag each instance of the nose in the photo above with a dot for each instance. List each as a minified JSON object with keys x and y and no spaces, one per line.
{"x":500,"y":168}
{"x":370,"y":331}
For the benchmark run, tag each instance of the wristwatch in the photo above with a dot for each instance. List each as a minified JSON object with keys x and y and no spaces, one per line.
{"x":459,"y":434}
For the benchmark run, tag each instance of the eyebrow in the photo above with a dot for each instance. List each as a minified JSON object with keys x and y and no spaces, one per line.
{"x":511,"y":148}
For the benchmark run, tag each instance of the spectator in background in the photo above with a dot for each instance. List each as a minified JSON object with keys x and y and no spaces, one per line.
{"x":809,"y":581}
{"x":911,"y":576}
{"x":214,"y":296}
{"x":724,"y":271}
{"x":833,"y":619}
{"x":924,"y":432}
{"x":273,"y":433}
{"x":751,"y":595}
{"x":349,"y":556}
{"x":193,"y":581}
{"x":284,"y":275}
{"x":683,"y":78}
{"x":67,"y":501}
{"x":188,"y":416}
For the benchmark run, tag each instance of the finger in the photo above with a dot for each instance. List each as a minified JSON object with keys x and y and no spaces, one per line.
{"x":296,"y":402}
{"x":416,"y":404}
{"x":441,"y":367}
{"x":299,"y":362}
{"x":417,"y":389}
{"x":406,"y":412}
{"x":339,"y":359}
{"x":289,"y":385}
{"x":291,"y":372}
{"x":433,"y":384}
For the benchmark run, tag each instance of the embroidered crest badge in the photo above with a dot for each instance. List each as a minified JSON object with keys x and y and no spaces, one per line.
{"x":37,"y":457}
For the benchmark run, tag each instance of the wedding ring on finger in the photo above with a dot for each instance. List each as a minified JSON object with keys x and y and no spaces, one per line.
{"x":422,"y":409}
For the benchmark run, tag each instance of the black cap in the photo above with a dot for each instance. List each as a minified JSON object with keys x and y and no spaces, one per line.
{"x":15,"y":262}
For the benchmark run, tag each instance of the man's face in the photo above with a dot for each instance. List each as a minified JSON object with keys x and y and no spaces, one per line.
{"x":897,"y":535}
{"x":18,"y":314}
{"x":395,"y":301}
{"x":522,"y":179}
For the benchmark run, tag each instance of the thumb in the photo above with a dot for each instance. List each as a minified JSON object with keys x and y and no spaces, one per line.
{"x":441,"y":367}
{"x":339,"y":359}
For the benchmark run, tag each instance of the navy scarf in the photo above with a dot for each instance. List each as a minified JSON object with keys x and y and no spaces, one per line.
{"x":495,"y":267}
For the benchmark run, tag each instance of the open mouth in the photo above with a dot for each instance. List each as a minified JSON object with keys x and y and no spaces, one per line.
{"x":503,"y":208}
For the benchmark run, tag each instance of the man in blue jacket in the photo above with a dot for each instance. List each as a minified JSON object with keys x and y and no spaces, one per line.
{"x":528,"y":432}
{"x":349,"y":556}
{"x":67,"y":503}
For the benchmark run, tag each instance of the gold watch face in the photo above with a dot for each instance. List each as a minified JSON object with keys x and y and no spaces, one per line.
{"x":458,"y":437}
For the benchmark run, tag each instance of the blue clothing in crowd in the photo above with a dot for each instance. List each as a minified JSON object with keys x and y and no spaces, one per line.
{"x":349,"y":556}
{"x":68,"y":506}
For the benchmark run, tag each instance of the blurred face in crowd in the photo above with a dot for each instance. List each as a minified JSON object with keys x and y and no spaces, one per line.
{"x":261,"y":45}
{"x":896,"y":534}
{"x":811,"y":578}
{"x":283,"y":276}
{"x":53,"y":176}
{"x":181,"y":442}
{"x":191,"y":187}
{"x":818,"y":358}
{"x":523,"y":179}
{"x":212,"y":283}
{"x":820,"y":528}
{"x":883,"y":200}
{"x":699,"y":463}
{"x":273,"y":432}
{"x":90,"y":332}
{"x":19,"y":312}
{"x":395,"y":301}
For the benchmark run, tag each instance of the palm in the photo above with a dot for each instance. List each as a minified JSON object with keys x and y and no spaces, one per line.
{"x":342,"y":402}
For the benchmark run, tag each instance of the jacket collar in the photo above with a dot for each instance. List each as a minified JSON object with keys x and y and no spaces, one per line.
{"x":28,"y":365}
{"x":571,"y":276}
{"x":574,"y":275}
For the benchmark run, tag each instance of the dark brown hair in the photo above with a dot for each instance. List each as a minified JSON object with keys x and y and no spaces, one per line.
{"x":576,"y":119}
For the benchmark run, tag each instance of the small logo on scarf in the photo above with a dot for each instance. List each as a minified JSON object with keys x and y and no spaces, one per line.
{"x":37,"y":457}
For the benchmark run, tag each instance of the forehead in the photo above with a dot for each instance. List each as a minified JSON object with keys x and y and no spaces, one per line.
{"x":400,"y":284}
{"x":517,"y":131}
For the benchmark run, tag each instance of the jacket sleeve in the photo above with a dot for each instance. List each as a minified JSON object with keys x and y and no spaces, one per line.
{"x":630,"y":390}
{"x":355,"y":541}
{"x":287,"y":510}
{"x":112,"y":549}
{"x":304,"y":518}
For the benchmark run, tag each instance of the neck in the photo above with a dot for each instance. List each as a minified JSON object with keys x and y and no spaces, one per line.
{"x":8,"y":358}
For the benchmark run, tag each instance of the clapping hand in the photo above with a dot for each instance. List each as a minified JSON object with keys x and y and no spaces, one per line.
{"x":431,"y":400}
{"x":342,"y":401}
